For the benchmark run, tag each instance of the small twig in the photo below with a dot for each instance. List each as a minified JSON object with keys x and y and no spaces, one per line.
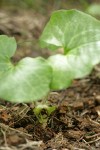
{"x":6,"y":127}
{"x":4,"y":135}
{"x":23,"y":114}
{"x":78,"y":148}
{"x":86,"y":143}
{"x":92,"y":136}
{"x":94,"y":122}
{"x":30,"y":144}
{"x":7,"y":148}
{"x":90,"y":142}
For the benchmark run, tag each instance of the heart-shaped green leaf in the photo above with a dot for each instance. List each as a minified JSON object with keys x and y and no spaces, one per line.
{"x":79,"y":35}
{"x":70,"y":29}
{"x":28,"y":80}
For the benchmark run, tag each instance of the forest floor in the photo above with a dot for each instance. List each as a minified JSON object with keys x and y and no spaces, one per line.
{"x":75,"y":125}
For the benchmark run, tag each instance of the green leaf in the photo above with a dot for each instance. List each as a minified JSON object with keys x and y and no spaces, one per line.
{"x":28,"y":81}
{"x":43,"y":118}
{"x":67,"y":68}
{"x":7,"y":47}
{"x":62,"y":76}
{"x":79,"y":35}
{"x":69,"y":30}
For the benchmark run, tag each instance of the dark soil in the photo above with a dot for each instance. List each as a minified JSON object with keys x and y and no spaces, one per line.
{"x":75,"y":125}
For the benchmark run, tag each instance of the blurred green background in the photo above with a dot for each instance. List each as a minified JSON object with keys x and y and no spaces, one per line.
{"x":44,"y":6}
{"x":47,"y":6}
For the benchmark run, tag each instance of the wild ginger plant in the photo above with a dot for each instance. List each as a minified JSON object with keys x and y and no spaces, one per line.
{"x":31,"y":79}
